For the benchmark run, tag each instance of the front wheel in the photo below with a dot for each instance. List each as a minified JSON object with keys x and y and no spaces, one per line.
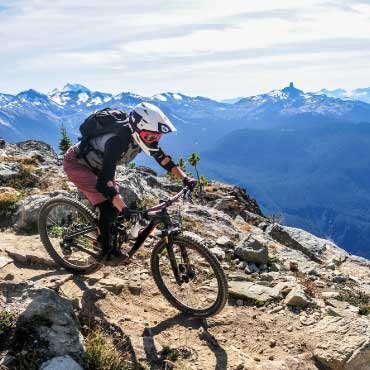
{"x":200,"y":287}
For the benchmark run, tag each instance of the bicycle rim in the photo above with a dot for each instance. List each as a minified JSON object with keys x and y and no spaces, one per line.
{"x":69,"y":234}
{"x":204,"y":290}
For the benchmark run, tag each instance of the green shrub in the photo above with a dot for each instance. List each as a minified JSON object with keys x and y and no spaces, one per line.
{"x":7,"y":322}
{"x":364,"y":310}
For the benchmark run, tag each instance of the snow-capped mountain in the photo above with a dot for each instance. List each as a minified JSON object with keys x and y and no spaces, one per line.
{"x":290,"y":102}
{"x":362,"y":94}
{"x":200,"y":120}
{"x":75,"y":88}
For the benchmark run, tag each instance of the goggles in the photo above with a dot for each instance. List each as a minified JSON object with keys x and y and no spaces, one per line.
{"x":150,"y":136}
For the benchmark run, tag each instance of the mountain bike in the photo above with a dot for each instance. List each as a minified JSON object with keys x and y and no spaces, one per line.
{"x":187,"y":274}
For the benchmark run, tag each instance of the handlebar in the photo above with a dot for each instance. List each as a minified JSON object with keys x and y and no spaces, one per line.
{"x":185,"y":191}
{"x":160,"y":207}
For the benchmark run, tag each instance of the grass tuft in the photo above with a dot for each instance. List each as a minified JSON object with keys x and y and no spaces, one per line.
{"x":102,"y":353}
{"x":23,"y":160}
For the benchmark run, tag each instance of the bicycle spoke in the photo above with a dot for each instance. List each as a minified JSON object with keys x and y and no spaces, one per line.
{"x":72,"y":235}
{"x":50,"y":219}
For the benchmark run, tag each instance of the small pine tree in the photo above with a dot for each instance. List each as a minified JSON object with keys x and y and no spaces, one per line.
{"x":65,"y":141}
{"x":132,"y":165}
{"x":193,"y":161}
{"x":203,"y":181}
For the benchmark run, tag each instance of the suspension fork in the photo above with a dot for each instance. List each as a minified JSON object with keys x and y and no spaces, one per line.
{"x":185,"y":257}
{"x":171,"y":255}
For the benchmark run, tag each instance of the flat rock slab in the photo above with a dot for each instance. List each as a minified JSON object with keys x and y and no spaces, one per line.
{"x":25,"y":249}
{"x":253,"y":292}
{"x":4,"y":261}
{"x":114,"y":285}
{"x":341,"y":343}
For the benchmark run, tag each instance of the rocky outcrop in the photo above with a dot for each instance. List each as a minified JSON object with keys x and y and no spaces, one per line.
{"x":231,"y":199}
{"x":38,"y":150}
{"x":300,"y":240}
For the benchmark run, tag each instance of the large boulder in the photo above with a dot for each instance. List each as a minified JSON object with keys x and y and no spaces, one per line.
{"x":29,"y":208}
{"x":45,"y":318}
{"x":252,"y":248}
{"x":297,"y":298}
{"x":341,"y":343}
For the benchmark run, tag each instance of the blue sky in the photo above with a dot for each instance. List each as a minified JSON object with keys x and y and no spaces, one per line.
{"x":205,"y":47}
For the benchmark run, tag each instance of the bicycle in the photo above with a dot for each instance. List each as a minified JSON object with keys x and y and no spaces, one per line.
{"x":186,"y":273}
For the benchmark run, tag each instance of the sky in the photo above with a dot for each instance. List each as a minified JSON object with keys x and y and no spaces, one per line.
{"x":219,"y":49}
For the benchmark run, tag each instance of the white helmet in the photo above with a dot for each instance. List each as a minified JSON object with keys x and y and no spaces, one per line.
{"x":148,"y":123}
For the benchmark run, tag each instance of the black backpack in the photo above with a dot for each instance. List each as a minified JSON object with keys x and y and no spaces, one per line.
{"x":102,"y":122}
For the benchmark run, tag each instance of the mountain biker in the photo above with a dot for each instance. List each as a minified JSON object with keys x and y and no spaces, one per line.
{"x":93,"y":173}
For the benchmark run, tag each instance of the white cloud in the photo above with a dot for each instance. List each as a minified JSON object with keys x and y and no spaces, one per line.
{"x":191,"y":46}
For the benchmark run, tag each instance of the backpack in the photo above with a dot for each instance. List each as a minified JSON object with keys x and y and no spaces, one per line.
{"x":102,"y":122}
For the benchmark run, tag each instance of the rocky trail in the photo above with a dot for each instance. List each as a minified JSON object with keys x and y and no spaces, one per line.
{"x":296,"y":301}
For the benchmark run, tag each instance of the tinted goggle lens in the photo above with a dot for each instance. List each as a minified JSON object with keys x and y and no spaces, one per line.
{"x":150,"y":137}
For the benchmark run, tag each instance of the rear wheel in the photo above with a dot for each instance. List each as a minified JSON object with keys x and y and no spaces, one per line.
{"x":69,"y":234}
{"x":202,"y":289}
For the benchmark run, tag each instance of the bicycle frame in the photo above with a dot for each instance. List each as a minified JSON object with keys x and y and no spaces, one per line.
{"x":156,"y":215}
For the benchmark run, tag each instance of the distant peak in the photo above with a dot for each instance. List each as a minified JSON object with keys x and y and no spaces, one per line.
{"x":31,"y":93}
{"x":75,"y":88}
{"x":292,"y":90}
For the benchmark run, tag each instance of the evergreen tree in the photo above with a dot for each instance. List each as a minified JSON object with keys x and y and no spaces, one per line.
{"x":65,"y":141}
{"x":193,"y":161}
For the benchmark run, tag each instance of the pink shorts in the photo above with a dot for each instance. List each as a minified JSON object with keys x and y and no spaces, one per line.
{"x":83,"y":177}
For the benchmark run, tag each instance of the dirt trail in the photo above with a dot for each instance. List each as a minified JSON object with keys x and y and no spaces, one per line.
{"x":238,"y":338}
